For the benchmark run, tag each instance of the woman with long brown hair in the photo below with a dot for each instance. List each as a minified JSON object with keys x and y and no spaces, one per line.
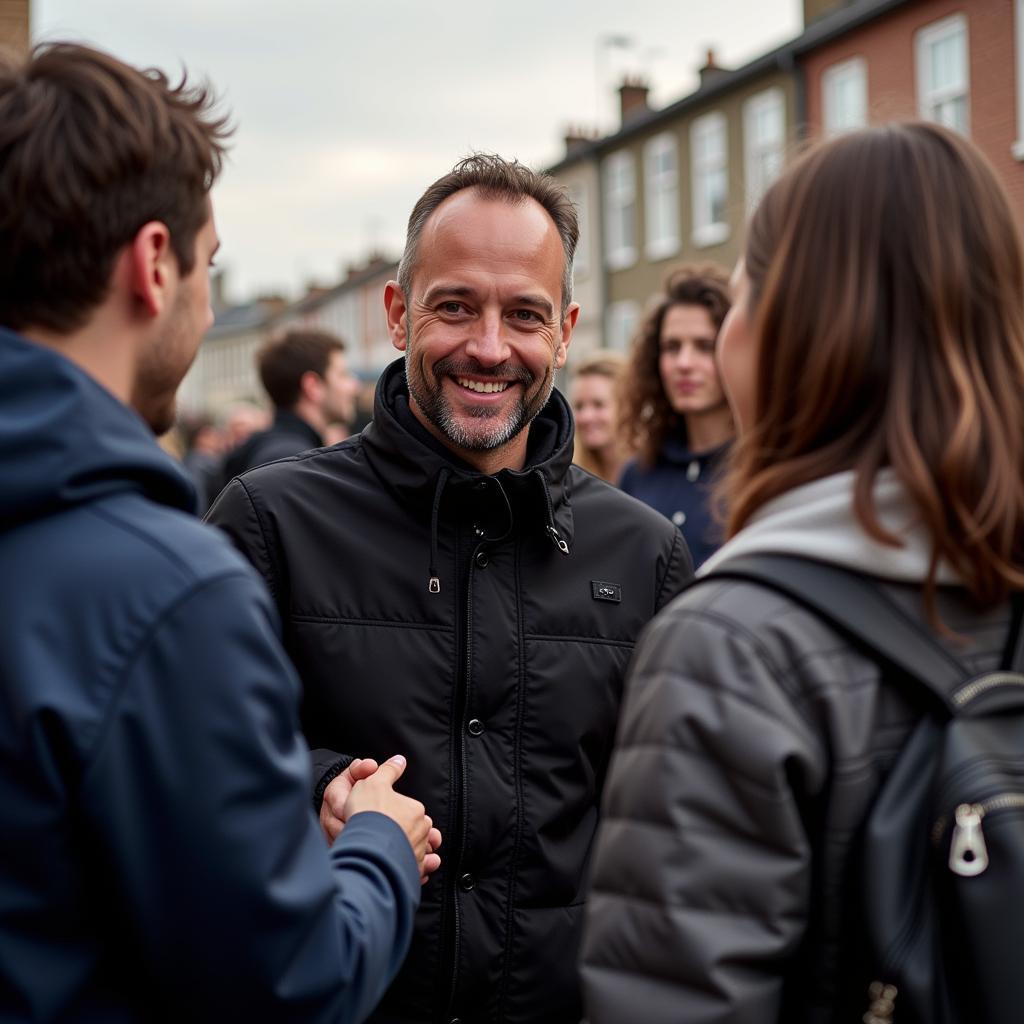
{"x":874,"y":359}
{"x":674,"y":411}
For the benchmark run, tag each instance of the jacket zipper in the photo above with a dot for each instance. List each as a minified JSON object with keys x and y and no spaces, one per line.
{"x":463,"y":779}
{"x":968,"y":692}
{"x":968,"y":852}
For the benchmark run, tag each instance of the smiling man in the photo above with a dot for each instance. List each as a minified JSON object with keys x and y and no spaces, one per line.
{"x":452,"y":586}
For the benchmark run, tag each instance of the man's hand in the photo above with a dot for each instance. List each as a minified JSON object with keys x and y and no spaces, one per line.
{"x":336,"y":796}
{"x":376,"y":792}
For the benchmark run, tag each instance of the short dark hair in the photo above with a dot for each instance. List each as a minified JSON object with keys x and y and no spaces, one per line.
{"x":495,"y":178}
{"x":90,"y":151}
{"x":647,"y":414}
{"x":283,"y":361}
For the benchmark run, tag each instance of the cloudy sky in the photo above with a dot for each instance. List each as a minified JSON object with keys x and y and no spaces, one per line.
{"x":346,"y":110}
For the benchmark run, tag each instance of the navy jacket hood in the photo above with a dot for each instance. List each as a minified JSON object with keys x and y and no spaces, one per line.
{"x":65,"y":440}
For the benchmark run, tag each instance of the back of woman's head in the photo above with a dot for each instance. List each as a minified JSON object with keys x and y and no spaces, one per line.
{"x":886,"y":283}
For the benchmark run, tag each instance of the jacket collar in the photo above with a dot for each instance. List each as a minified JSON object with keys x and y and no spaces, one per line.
{"x":288,"y":422}
{"x":416,"y":467}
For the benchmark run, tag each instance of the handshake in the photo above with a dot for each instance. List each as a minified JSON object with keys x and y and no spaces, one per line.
{"x":366,"y":786}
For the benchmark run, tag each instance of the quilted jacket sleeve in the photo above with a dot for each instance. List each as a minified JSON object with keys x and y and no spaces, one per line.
{"x":701,"y":880}
{"x":196,"y":803}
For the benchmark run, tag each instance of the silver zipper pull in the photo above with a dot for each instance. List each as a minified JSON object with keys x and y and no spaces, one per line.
{"x":968,"y":855}
{"x":556,"y":537}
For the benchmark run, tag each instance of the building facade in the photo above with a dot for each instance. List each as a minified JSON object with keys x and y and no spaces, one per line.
{"x":677,"y":184}
{"x":958,"y":62}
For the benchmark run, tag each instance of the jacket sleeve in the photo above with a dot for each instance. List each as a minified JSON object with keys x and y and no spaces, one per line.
{"x":678,"y":571}
{"x":195,"y":801}
{"x":701,"y":876}
{"x":236,"y":514}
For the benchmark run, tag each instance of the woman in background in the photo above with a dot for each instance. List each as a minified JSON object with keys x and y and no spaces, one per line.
{"x":594,"y":396}
{"x":674,"y":414}
{"x":874,"y":360}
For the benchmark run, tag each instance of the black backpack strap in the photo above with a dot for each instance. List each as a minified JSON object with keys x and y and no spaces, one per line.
{"x":1013,"y":652}
{"x":858,"y":609}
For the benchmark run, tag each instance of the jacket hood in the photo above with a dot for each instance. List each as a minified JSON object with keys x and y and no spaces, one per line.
{"x":419,"y":469}
{"x":65,"y":440}
{"x":816,"y":521}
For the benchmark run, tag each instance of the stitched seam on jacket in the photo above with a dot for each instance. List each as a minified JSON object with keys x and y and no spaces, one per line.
{"x":674,"y":556}
{"x":270,"y":576}
{"x":737,"y":630}
{"x":517,"y":769}
{"x":128,"y":526}
{"x":383,"y":623}
{"x":133,"y":658}
{"x":548,"y":638}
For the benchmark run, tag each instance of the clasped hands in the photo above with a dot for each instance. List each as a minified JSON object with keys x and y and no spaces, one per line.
{"x":366,"y":786}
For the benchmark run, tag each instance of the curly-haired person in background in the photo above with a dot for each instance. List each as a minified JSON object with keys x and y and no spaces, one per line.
{"x":674,"y":412}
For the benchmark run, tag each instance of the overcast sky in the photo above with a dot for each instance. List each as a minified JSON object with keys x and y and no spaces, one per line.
{"x":346,"y":111}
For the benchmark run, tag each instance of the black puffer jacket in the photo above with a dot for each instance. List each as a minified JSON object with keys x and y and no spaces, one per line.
{"x":753,"y":742}
{"x":502,"y":687}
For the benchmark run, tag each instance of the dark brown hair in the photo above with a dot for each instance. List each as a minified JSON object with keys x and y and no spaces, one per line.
{"x":90,"y":151}
{"x":886,"y":280}
{"x":495,"y":178}
{"x":647,"y":416}
{"x":283,"y":361}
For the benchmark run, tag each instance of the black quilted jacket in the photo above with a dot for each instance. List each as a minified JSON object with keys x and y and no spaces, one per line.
{"x":752,"y":743}
{"x":481,"y":626}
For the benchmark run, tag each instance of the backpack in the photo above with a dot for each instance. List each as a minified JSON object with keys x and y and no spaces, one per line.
{"x":942,"y":849}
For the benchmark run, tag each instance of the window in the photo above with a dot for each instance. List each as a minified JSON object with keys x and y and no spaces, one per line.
{"x":844,"y":96}
{"x":581,"y":263}
{"x":764,"y":135}
{"x":661,"y":196}
{"x":943,"y":91}
{"x":621,"y":321}
{"x":620,"y":211}
{"x":709,"y":154}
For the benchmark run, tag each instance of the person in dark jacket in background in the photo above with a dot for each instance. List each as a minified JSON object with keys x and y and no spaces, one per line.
{"x":306,"y":375}
{"x":874,"y":359}
{"x":674,"y":411}
{"x":160,"y":858}
{"x":452,"y":584}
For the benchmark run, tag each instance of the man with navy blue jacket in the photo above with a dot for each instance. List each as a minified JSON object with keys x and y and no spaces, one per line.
{"x":160,"y":858}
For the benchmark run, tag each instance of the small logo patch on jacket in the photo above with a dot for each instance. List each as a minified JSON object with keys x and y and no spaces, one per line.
{"x":606,"y":591}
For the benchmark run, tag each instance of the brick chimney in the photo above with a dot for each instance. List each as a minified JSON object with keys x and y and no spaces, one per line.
{"x":711,"y":71}
{"x":577,"y":138}
{"x":632,"y":99}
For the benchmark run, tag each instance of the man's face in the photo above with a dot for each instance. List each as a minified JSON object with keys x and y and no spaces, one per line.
{"x":165,"y":361}
{"x":482,"y":331}
{"x":338,"y":404}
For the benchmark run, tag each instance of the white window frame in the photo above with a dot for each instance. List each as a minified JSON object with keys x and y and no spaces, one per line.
{"x":579,"y":194}
{"x":661,"y":197}
{"x":834,"y":119}
{"x":619,"y":192}
{"x":927,"y":96}
{"x":706,"y":230}
{"x":774,"y":101}
{"x":1018,"y":13}
{"x":621,"y":321}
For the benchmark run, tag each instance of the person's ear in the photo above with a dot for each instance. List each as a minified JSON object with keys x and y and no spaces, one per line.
{"x":568,"y":323}
{"x":153,"y":267}
{"x":398,"y":315}
{"x":311,"y":386}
